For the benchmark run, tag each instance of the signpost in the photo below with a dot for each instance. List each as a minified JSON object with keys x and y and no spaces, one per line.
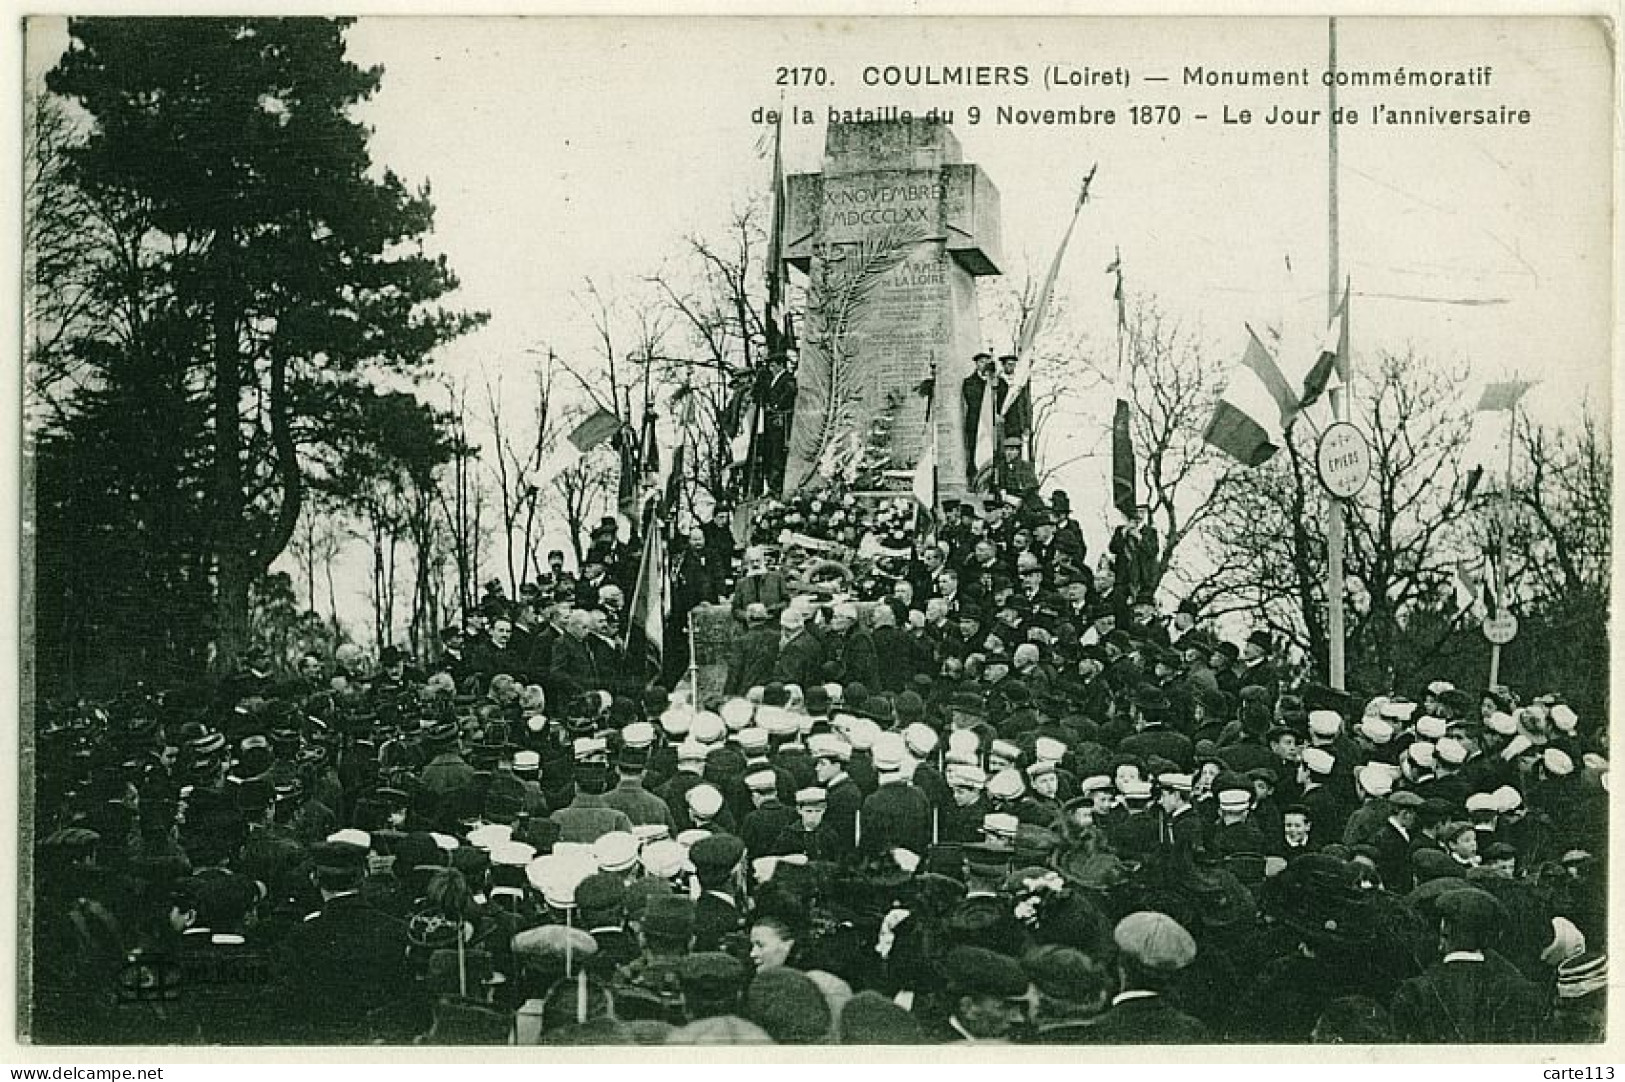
{"x":1343,"y":460}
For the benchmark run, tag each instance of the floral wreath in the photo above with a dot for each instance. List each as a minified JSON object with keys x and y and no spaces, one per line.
{"x":1035,"y":896}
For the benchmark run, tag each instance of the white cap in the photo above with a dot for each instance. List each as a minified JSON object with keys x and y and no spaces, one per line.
{"x":1374,"y":780}
{"x":1318,"y":761}
{"x":1481,"y":802}
{"x":445,"y":841}
{"x":1398,"y":710}
{"x":964,"y":741}
{"x":1421,"y":753}
{"x":707,"y":727}
{"x":1235,"y":798}
{"x":1000,"y":825}
{"x":965,"y":775}
{"x":1376,"y":730}
{"x":1325,"y":722}
{"x":691,"y":837}
{"x":704,"y":799}
{"x":1564,"y":717}
{"x":889,"y":752}
{"x":736,"y":714}
{"x":639,"y":734}
{"x":828,"y":746}
{"x":1501,"y":722}
{"x":650,"y":832}
{"x":585,"y":747}
{"x":536,"y":722}
{"x":1430,"y":728}
{"x":511,"y":854}
{"x":1006,"y":785}
{"x":490,"y":835}
{"x":752,"y":739}
{"x":1450,"y":750}
{"x":1557,"y":762}
{"x":692,"y":751}
{"x":351,"y":836}
{"x":1507,"y":799}
{"x":526,"y":761}
{"x":1439,"y":687}
{"x":663,"y":859}
{"x":1004,"y":749}
{"x":616,"y":851}
{"x":676,"y":720}
{"x":1049,"y":749}
{"x":761,"y":781}
{"x":557,"y":875}
{"x":777,"y":721}
{"x":1094,"y":783}
{"x":1136,"y":789}
{"x":1177,"y":782}
{"x":862,"y":732}
{"x":920,"y":739}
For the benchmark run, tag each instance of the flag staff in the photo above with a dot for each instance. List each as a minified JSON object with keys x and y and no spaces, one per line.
{"x":1334,"y":506}
{"x":1501,"y":553}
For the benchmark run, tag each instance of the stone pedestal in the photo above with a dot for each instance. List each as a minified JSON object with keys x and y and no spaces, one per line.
{"x":893,"y":195}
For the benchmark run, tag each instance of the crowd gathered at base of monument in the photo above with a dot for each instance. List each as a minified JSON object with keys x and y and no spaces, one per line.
{"x":979,"y":788}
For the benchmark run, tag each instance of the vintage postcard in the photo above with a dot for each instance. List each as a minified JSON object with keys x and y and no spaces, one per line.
{"x":981,"y":532}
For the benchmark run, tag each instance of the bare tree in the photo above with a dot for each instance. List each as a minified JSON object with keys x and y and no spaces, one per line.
{"x":520,"y":451}
{"x":1405,"y":531}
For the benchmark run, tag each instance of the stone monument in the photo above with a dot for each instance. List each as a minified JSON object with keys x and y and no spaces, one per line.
{"x":891,"y":235}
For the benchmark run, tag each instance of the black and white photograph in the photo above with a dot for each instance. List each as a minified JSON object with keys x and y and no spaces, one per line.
{"x":614,"y":532}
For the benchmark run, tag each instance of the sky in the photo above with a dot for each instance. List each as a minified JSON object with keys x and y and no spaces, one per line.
{"x":565,"y":149}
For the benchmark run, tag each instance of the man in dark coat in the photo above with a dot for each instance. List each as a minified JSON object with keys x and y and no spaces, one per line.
{"x":801,"y":656}
{"x":1472,"y":995}
{"x":1153,"y":948}
{"x":719,"y":918}
{"x":1152,"y":736}
{"x":850,"y":646}
{"x":1394,"y":840}
{"x":760,"y":583}
{"x":341,"y":977}
{"x":574,"y":667}
{"x":971,"y":391}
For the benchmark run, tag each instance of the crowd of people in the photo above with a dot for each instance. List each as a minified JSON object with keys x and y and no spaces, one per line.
{"x":979,"y":790}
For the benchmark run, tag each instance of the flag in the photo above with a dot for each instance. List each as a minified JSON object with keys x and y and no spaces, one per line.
{"x":780,"y":333}
{"x":1124,"y":497}
{"x":924,"y":484}
{"x":1333,"y":358}
{"x":594,"y":430}
{"x":674,"y":479}
{"x":1469,"y":594}
{"x":1251,"y":416}
{"x":982,"y":465}
{"x":646,"y":623}
{"x":1035,"y":319}
{"x":1503,"y":396}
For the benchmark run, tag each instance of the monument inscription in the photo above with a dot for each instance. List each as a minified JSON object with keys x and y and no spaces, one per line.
{"x":892,"y":235}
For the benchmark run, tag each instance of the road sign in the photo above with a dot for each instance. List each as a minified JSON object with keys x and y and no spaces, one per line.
{"x":1501,"y":629}
{"x":1343,"y":460}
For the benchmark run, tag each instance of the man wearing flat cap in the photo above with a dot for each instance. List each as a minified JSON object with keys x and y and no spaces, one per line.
{"x":1152,"y":951}
{"x":1472,"y":995}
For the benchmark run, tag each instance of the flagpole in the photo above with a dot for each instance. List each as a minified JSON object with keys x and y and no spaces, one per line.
{"x":1334,"y":506}
{"x":1506,"y":528}
{"x":693,"y":665}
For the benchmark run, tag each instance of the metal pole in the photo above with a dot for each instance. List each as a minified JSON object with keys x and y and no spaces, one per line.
{"x":1501,"y":549}
{"x":693,"y":665}
{"x":1334,"y":506}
